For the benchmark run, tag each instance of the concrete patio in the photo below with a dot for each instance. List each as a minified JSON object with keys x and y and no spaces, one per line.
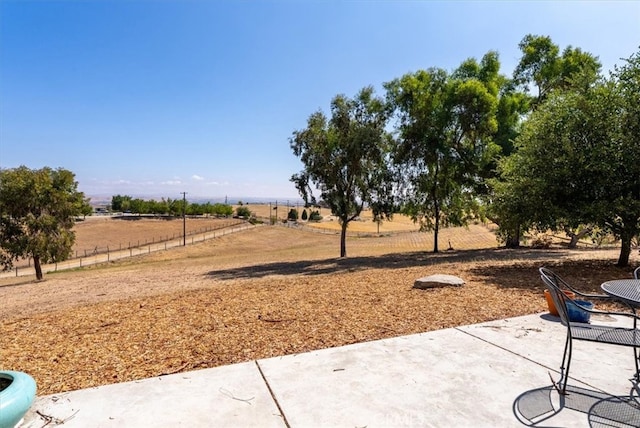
{"x":495,"y":374}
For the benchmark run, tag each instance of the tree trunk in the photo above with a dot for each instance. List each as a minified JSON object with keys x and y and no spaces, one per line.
{"x":574,"y":241}
{"x":576,"y":237}
{"x":436,"y":229}
{"x":343,"y":239}
{"x":36,"y":265}
{"x":625,"y":250}
{"x":513,"y":238}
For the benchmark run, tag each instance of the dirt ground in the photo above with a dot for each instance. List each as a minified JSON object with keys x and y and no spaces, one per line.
{"x":265,"y":292}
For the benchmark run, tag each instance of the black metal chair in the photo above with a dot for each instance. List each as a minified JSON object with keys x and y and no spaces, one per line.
{"x":636,"y":273}
{"x":621,"y":336}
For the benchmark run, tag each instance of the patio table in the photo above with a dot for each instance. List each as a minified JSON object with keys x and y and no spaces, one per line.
{"x":625,"y":290}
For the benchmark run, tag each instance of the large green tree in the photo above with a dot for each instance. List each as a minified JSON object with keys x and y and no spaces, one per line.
{"x":345,"y":158}
{"x":444,"y":123}
{"x":38,"y":209}
{"x":541,"y":66}
{"x":578,"y":159}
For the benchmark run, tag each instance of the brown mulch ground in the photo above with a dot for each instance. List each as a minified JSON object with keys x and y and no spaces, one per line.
{"x":262,"y":293}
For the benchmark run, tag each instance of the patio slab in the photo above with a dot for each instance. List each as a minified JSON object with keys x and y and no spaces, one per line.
{"x":229,"y":396}
{"x":483,"y":375}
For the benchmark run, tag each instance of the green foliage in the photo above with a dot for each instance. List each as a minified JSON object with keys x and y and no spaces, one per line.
{"x":578,"y":160}
{"x":243,"y":211}
{"x":445,"y":125}
{"x":293,"y":214}
{"x":345,"y":157}
{"x":120,"y":203}
{"x":315,"y":216}
{"x":168,"y":207}
{"x":37,"y":214}
{"x":304,"y":215}
{"x":541,"y":64}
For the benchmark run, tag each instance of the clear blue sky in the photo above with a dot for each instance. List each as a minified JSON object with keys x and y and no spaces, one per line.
{"x":153,"y":98}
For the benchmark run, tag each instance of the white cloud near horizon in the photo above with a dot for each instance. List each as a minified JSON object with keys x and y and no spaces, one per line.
{"x":172,"y":182}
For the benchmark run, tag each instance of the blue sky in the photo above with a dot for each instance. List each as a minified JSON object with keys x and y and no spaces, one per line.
{"x":153,"y":98}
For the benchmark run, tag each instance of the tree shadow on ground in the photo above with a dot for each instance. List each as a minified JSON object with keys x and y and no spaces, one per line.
{"x":399,"y":261}
{"x":585,"y":275}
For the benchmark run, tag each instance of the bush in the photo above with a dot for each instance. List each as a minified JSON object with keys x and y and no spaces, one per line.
{"x":304,"y":215}
{"x":243,"y":212}
{"x":315,"y":216}
{"x":293,"y":214}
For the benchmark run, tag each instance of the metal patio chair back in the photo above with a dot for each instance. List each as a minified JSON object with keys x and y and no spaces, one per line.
{"x":636,"y":273}
{"x":620,"y":336}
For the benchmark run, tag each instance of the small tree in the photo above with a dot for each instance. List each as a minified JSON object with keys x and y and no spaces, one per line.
{"x":304,"y":215}
{"x":445,"y":124}
{"x":243,"y":211}
{"x":345,"y":157}
{"x":293,"y":214}
{"x":37,"y":213}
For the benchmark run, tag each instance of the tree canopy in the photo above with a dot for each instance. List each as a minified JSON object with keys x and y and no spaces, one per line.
{"x":542,"y":65}
{"x":38,"y":209}
{"x":472,"y":142}
{"x":578,"y":159}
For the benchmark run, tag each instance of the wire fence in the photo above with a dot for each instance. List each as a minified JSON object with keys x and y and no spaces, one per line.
{"x":153,"y":240}
{"x":131,"y":251}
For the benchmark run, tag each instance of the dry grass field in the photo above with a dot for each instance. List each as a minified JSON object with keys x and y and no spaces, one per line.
{"x":264,"y":292}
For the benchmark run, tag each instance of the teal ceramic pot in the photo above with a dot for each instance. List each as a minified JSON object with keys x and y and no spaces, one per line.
{"x":16,"y":398}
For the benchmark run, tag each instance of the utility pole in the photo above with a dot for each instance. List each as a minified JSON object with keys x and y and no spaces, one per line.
{"x":184,"y":218}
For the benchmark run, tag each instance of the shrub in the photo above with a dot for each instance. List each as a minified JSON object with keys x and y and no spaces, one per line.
{"x":304,"y":215}
{"x":315,"y":216}
{"x":243,"y":212}
{"x":293,"y":214}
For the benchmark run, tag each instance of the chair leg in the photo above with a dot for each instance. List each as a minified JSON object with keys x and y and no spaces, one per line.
{"x":635,"y":380}
{"x":561,"y":386}
{"x":637,"y":361}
